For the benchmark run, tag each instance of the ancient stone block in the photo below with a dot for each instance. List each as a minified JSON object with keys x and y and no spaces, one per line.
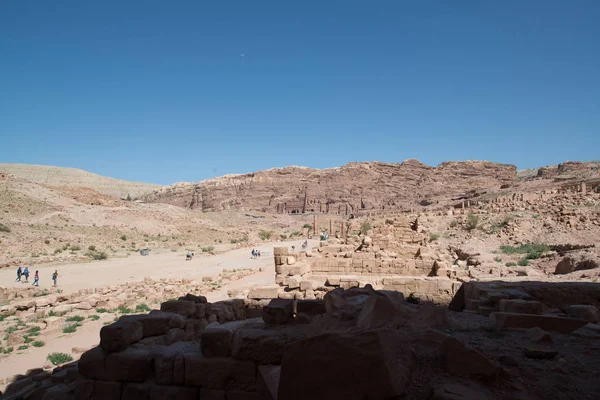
{"x":84,"y":389}
{"x":310,"y":307}
{"x":264,"y":292}
{"x":107,"y":390}
{"x":157,"y":323}
{"x":521,"y":306}
{"x":130,"y":365}
{"x":280,"y":251}
{"x":136,"y":391}
{"x":92,"y":364}
{"x":545,"y":322}
{"x":212,"y":394}
{"x":587,"y":312}
{"x":216,"y":341}
{"x":282,"y":269}
{"x":306,"y":285}
{"x":279,"y":311}
{"x":219,"y":373}
{"x":117,"y":336}
{"x":174,"y":393}
{"x":390,"y":357}
{"x":185,"y":308}
{"x":459,"y":359}
{"x":333,"y":281}
{"x":262,"y":346}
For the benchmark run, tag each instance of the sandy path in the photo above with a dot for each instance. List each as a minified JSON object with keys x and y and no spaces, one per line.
{"x":73,"y":277}
{"x":117,"y":271}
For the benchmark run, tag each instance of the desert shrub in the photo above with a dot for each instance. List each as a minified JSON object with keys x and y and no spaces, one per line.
{"x":453,"y":223}
{"x":66,"y":246}
{"x":34,"y":331}
{"x":23,"y":347}
{"x":497,"y":259}
{"x":4,"y":228}
{"x":97,"y":255}
{"x":307,"y":226}
{"x":38,"y":343}
{"x":75,"y":248}
{"x":206,"y":249}
{"x":434,"y":237}
{"x":75,"y":318}
{"x":472,"y":221}
{"x":59,"y":358}
{"x":53,"y":313}
{"x":47,"y":241}
{"x":123,"y":238}
{"x":92,"y":247}
{"x":234,"y":241}
{"x":40,"y":294}
{"x":533,"y":250}
{"x":523,"y":262}
{"x":124,"y":310}
{"x":283,"y":237}
{"x":27,"y":339}
{"x":8,"y":350}
{"x":58,"y":251}
{"x":11,"y":329}
{"x":71,"y":328}
{"x":264,"y":235}
{"x":142,"y":308}
{"x":3,"y":317}
{"x":94,"y":317}
{"x":413,"y":299}
{"x":505,"y":221}
{"x":295,"y":233}
{"x":365,"y":227}
{"x":101,"y":310}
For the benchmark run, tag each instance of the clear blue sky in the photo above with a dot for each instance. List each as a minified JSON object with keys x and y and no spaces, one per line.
{"x":165,"y":91}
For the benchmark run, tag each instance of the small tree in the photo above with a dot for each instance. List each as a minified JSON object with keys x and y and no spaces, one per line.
{"x":365,"y":227}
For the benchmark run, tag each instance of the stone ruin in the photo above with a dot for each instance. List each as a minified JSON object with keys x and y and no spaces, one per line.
{"x":394,"y":256}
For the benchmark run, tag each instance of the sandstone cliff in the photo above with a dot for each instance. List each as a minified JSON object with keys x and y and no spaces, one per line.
{"x":344,"y":190}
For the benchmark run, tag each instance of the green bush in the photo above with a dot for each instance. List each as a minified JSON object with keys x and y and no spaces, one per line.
{"x":101,"y":310}
{"x":307,"y":226}
{"x":59,"y":358}
{"x":71,"y":328}
{"x":533,"y":250}
{"x":206,"y":249}
{"x":4,"y":228}
{"x":94,"y":317}
{"x":142,"y":308}
{"x":365,"y":227}
{"x":92,"y":248}
{"x":3,"y":317}
{"x":34,"y":331}
{"x":57,"y":251}
{"x":23,"y":347}
{"x":264,"y":235}
{"x":75,"y":248}
{"x":497,"y":259}
{"x":124,"y":310}
{"x":283,"y":237}
{"x":523,"y":262}
{"x":434,"y":236}
{"x":53,"y":313}
{"x":453,"y":223}
{"x":123,"y":238}
{"x":75,"y":318}
{"x":38,"y":343}
{"x":472,"y":221}
{"x":8,"y":350}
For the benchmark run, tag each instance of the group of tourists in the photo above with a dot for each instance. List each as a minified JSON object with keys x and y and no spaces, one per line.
{"x":24,"y":273}
{"x":255,"y":253}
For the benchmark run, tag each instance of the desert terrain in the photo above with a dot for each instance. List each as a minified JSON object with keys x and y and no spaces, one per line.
{"x":467,"y":260}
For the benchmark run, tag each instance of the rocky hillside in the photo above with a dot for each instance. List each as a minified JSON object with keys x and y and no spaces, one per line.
{"x":348,"y":189}
{"x":72,"y":177}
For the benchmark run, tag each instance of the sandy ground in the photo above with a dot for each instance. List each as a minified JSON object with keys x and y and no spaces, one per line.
{"x":117,"y":271}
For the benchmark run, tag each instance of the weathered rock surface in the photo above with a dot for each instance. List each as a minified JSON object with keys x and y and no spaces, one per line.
{"x":370,"y":365}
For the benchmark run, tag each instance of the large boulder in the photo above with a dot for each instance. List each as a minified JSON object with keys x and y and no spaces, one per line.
{"x":278,"y":311}
{"x":185,"y":308}
{"x":368,"y":365}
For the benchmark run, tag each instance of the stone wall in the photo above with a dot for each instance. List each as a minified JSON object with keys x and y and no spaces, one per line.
{"x":394,"y":256}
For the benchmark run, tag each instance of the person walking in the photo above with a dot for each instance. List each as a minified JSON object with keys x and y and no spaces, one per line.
{"x":19,"y":273}
{"x":26,"y":273}
{"x":54,"y":277}
{"x":36,"y":279}
{"x":258,"y":253}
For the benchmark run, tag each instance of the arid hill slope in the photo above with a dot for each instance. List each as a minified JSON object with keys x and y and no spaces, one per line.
{"x":72,"y":177}
{"x":347,"y":189}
